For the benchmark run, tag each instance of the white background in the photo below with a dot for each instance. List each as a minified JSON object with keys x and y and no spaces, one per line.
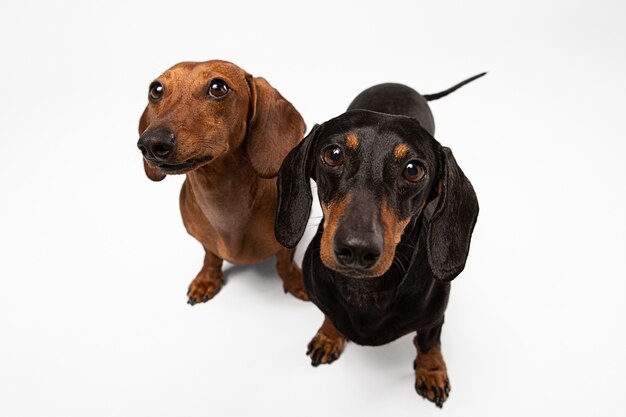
{"x":95,"y":262}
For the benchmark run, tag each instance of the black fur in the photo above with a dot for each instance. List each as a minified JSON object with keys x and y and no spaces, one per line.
{"x":412,"y":295}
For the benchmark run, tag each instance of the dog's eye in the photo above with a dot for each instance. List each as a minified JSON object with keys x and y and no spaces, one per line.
{"x":414,"y":171}
{"x":218,"y":88}
{"x":332,"y":156}
{"x":156,"y":91}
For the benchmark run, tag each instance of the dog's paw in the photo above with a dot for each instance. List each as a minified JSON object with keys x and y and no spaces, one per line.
{"x":431,"y":377}
{"x":325,"y":349}
{"x":203,"y":288}
{"x":435,"y":388}
{"x":294,"y":285}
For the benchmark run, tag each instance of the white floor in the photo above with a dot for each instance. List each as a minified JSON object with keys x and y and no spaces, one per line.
{"x":94,"y":261}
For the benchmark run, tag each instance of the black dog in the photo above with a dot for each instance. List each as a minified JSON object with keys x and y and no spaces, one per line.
{"x":398,"y":219}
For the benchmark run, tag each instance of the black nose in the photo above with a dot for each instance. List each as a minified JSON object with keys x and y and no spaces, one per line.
{"x":360,"y":251}
{"x":157,"y":145}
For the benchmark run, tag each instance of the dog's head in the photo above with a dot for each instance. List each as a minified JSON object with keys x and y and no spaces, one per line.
{"x":375,"y":173}
{"x":200,"y":111}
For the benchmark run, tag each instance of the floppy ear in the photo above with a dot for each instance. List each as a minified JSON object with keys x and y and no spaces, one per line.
{"x":294,"y":191}
{"x":274,"y":128}
{"x":450,"y":220}
{"x":151,"y":172}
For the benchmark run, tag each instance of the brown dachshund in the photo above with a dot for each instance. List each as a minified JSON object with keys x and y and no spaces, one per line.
{"x":229,"y":133}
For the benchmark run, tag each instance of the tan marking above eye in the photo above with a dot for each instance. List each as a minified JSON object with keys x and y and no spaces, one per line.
{"x":400,"y":150}
{"x":352,"y":141}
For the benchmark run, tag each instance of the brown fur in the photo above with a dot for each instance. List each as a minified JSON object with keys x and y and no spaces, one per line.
{"x":400,"y":151}
{"x":352,"y":141}
{"x":393,"y":229}
{"x":228,"y":203}
{"x":431,"y":375}
{"x":327,"y":344}
{"x":332,"y":216}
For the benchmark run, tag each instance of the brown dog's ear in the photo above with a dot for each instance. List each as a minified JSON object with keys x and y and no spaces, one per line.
{"x":450,"y":220}
{"x":294,"y":191}
{"x":274,"y":128}
{"x":151,"y":172}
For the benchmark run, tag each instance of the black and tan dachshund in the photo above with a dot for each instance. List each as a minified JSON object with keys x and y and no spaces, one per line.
{"x":398,"y":219}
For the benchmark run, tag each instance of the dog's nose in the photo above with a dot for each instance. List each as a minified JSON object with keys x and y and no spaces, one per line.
{"x":157,"y":145}
{"x":358,"y":251}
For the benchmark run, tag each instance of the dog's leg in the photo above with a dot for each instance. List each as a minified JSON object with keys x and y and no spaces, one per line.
{"x":209,"y":280}
{"x":290,"y":273}
{"x":327,"y":345}
{"x":431,"y":375}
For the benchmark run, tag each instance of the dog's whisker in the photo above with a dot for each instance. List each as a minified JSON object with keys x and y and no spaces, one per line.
{"x":396,"y":262}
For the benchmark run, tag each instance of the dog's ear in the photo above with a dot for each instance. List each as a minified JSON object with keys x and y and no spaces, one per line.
{"x":450,"y":220}
{"x":274,"y":128}
{"x":294,"y":191}
{"x":151,"y":172}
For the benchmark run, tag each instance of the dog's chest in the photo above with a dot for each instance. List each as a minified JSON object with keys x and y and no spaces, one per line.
{"x":383,"y":318}
{"x":375,"y":312}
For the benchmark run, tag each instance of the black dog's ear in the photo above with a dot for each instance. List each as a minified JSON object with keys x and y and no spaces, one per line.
{"x":294,"y":191}
{"x":450,"y":220}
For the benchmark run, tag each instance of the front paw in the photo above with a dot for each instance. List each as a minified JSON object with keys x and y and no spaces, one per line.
{"x":204,"y":287}
{"x":435,"y":388}
{"x":325,"y":349}
{"x":431,"y":377}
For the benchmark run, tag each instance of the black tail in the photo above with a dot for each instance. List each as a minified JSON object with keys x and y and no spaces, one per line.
{"x":431,"y":97}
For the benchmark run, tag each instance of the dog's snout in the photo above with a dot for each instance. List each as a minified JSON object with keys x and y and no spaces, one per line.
{"x":157,"y":145}
{"x":360,"y":251}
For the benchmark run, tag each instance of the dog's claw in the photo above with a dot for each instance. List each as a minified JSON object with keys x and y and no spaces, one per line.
{"x":324,"y":350}
{"x":431,"y":376}
{"x":433,"y":393}
{"x":202,"y":289}
{"x":315,"y":358}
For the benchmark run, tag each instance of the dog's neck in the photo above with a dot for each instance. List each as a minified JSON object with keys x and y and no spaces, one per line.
{"x":376,"y":294}
{"x":233,"y":163}
{"x":226,"y":189}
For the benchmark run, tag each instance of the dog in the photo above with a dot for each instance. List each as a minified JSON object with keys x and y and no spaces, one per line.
{"x":228,"y":132}
{"x":398,"y":215}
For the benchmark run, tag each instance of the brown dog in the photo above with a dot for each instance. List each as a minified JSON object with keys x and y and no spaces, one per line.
{"x":229,"y":133}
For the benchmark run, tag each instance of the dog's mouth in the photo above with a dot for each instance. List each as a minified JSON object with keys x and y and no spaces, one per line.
{"x":183,"y":167}
{"x":356,"y":272}
{"x":361,"y":272}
